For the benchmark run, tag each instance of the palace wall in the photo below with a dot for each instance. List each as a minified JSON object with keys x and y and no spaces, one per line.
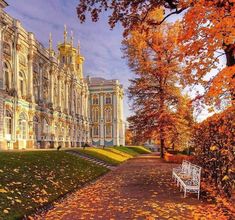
{"x":45,"y":102}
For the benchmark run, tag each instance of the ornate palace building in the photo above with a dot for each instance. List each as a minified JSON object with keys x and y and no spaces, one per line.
{"x":45,"y":101}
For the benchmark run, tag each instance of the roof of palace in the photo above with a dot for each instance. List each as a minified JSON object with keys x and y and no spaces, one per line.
{"x":101,"y":81}
{"x":3,"y":3}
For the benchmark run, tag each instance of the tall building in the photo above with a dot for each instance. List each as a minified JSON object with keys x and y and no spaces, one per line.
{"x":45,"y":101}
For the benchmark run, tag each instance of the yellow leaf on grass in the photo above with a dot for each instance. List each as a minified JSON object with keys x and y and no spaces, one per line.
{"x":44,"y":192}
{"x":5,"y":211}
{"x":17,"y":200}
{"x":3,"y":191}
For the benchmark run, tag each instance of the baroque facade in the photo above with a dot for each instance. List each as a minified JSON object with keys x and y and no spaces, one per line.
{"x":45,"y":101}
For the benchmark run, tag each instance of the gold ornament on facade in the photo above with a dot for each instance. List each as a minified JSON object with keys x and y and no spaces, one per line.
{"x":18,"y":47}
{"x":8,"y":107}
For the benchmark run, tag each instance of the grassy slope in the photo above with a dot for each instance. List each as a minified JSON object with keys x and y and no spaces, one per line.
{"x":114,"y":155}
{"x":32,"y":179}
{"x":134,"y":150}
{"x":140,"y":149}
{"x":104,"y":155}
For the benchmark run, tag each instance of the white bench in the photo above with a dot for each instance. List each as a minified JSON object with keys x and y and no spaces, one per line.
{"x":188,"y":177}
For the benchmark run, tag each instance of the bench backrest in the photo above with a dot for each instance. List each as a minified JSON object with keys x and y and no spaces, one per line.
{"x":196,"y":174}
{"x":186,"y":166}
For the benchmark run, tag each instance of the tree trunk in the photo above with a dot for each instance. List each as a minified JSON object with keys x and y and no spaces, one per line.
{"x":162,"y":139}
{"x":162,"y":144}
{"x":230,"y":58}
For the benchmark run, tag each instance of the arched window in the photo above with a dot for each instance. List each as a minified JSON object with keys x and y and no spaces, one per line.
{"x":108,"y":100}
{"x":23,"y":126}
{"x":35,"y":68}
{"x":36,"y":127}
{"x":63,"y":59}
{"x":6,"y":48}
{"x":95,"y":115}
{"x":7,"y":75}
{"x":22,"y":59}
{"x":8,"y":124}
{"x":95,"y":100}
{"x":108,"y":115}
{"x":96,"y":131}
{"x":36,"y":88}
{"x":108,"y":130}
{"x":46,"y":128}
{"x":22,"y":84}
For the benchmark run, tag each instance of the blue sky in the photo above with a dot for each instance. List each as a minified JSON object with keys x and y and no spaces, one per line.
{"x":100,"y":45}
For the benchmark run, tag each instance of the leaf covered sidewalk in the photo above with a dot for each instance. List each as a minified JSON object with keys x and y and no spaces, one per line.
{"x":141,"y":188}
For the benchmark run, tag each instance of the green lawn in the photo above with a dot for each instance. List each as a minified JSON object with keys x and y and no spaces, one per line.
{"x":104,"y":155}
{"x":140,"y":149}
{"x":31,"y":179}
{"x":114,"y":155}
{"x":133,"y":150}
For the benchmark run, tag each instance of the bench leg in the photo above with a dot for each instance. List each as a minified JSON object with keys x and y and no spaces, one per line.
{"x":184,"y":192}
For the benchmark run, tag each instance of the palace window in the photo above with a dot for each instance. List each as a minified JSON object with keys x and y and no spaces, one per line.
{"x":22,"y":60}
{"x":108,"y":130}
{"x":69,"y":60}
{"x":108,"y":100}
{"x":63,"y":59}
{"x":7,"y":75}
{"x":35,"y":68}
{"x":22,"y":82}
{"x":95,"y":115}
{"x":96,"y":131}
{"x":36,"y":127}
{"x":6,"y":48}
{"x":8,"y":123}
{"x":45,"y":127}
{"x":23,"y":126}
{"x":95,"y":100}
{"x":108,"y":115}
{"x":36,"y":88}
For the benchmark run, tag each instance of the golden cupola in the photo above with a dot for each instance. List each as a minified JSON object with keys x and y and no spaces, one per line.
{"x":70,"y":56}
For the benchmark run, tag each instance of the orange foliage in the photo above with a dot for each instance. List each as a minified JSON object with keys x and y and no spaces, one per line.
{"x":208,"y":32}
{"x":214,"y":141}
{"x":161,"y":111}
{"x":177,"y":158}
{"x":129,"y":137}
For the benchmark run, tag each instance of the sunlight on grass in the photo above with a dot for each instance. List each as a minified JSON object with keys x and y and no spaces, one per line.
{"x":114,"y":155}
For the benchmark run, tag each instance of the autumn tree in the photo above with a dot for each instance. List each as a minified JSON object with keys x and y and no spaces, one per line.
{"x":129,"y":137}
{"x":156,"y":91}
{"x":208,"y":34}
{"x":180,"y":137}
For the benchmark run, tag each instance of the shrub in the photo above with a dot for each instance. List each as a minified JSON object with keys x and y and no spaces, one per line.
{"x":171,"y":158}
{"x":214,"y":141}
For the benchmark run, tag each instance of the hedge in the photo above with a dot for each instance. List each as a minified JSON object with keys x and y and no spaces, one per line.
{"x":214,"y":142}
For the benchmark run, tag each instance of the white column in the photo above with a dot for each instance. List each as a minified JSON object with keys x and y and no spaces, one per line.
{"x":101,"y":119}
{"x":66,"y":95}
{"x":1,"y":57}
{"x":51,"y":83}
{"x":59,"y":91}
{"x":115,"y":124}
{"x":30,"y":94}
